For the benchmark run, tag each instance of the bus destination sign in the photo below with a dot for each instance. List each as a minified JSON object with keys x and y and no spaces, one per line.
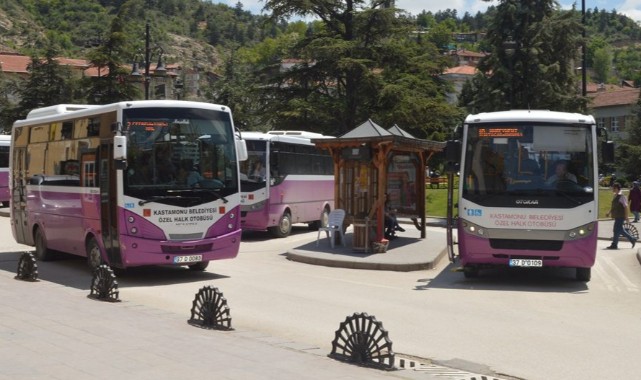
{"x":500,"y":132}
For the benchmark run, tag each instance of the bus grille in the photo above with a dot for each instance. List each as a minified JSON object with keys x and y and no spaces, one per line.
{"x":192,"y":236}
{"x":534,"y":245}
{"x":186,"y":249}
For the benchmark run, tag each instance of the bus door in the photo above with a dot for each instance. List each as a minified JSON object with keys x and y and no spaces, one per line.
{"x":19,"y":196}
{"x":108,"y":202}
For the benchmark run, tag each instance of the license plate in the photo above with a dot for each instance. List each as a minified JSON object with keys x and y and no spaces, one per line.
{"x":188,"y":259}
{"x":526,"y":263}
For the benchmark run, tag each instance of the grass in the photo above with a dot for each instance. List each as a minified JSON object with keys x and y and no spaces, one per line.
{"x":436,"y":201}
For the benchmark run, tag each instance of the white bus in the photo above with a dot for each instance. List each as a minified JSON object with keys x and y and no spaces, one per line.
{"x":111,"y":183}
{"x":528,"y":190}
{"x":285,"y":180}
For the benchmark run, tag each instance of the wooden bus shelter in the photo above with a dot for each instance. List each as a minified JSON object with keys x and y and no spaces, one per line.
{"x":370,"y":162}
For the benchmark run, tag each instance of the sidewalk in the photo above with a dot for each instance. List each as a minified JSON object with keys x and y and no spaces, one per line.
{"x":406,"y":253}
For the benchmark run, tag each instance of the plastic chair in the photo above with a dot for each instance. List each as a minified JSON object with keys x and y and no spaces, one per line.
{"x":334,"y":227}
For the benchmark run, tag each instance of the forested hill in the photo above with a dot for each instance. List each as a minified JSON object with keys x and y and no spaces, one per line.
{"x":193,"y":27}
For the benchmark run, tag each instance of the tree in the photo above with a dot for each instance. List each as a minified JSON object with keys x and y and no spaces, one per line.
{"x":602,"y":65}
{"x":534,"y":50}
{"x":48,"y":84}
{"x":358,"y":60}
{"x":628,"y":157}
{"x":113,"y":86}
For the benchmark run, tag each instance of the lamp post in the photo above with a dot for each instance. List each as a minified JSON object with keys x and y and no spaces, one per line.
{"x":584,"y":86}
{"x":160,"y":67}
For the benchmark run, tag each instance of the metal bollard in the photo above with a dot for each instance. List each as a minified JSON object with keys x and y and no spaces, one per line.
{"x":27,"y":267}
{"x":209,"y":310}
{"x":104,"y":286}
{"x":361,"y":339}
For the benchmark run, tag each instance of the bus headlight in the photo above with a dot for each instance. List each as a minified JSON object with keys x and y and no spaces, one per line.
{"x":581,"y":231}
{"x":130,"y":219}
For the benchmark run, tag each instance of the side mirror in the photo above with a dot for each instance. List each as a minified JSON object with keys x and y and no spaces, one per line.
{"x":453,"y":151}
{"x":120,"y":152}
{"x":607,"y":151}
{"x":241,"y":150}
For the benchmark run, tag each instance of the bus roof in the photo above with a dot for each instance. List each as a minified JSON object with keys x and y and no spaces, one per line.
{"x":5,"y":140}
{"x":295,"y":137}
{"x":530,"y":115}
{"x":63,"y":111}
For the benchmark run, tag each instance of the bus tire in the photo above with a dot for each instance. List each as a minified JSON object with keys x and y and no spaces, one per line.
{"x":42,"y":252}
{"x":284,"y":227}
{"x":322,"y":222}
{"x":94,"y":257}
{"x":199,"y":266}
{"x":470,"y":271}
{"x":5,"y":203}
{"x":583,"y":274}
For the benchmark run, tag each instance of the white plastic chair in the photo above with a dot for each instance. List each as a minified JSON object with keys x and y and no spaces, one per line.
{"x":334,"y":227}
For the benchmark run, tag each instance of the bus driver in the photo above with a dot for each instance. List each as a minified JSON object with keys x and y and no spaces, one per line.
{"x":561,"y":173}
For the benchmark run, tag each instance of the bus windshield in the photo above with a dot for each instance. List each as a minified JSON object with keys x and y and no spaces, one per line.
{"x":179,"y":154}
{"x":253,"y":175}
{"x":507,"y":160}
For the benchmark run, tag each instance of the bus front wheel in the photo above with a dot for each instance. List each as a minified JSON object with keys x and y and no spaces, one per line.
{"x":94,"y":257}
{"x":199,"y":267}
{"x":284,"y":227}
{"x":42,"y":252}
{"x":583,"y":274}
{"x":470,"y":271}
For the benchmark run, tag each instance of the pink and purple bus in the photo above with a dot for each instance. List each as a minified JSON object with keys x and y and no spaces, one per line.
{"x":528,"y":194}
{"x":5,"y":147}
{"x":128,"y":184}
{"x":285,"y":180}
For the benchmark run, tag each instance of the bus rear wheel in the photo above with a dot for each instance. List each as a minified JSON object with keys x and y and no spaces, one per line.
{"x":42,"y":252}
{"x":322,"y":222}
{"x":94,"y":257}
{"x":199,"y":267}
{"x":284,"y":227}
{"x":583,"y":274}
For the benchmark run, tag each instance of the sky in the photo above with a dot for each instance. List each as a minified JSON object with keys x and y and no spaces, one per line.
{"x":631,"y":8}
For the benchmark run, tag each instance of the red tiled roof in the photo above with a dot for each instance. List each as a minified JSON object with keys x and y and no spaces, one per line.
{"x":14,"y":63}
{"x":617,"y":97}
{"x":461,"y":70}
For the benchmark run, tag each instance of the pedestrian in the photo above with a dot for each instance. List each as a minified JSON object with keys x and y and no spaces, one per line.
{"x":635,"y":200}
{"x":619,"y":211}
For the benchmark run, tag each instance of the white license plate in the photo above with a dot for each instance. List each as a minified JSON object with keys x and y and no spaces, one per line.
{"x":188,"y":259}
{"x":526,"y":263}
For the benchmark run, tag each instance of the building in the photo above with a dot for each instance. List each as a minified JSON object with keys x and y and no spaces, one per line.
{"x":162,"y":85}
{"x":612,"y":107}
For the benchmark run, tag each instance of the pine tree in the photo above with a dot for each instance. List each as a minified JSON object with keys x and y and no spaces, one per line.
{"x":535,"y":49}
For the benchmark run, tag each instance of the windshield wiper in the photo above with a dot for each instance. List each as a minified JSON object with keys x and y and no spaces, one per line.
{"x":211,"y":191}
{"x":158,"y":198}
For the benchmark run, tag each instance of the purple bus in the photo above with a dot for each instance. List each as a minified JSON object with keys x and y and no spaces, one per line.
{"x":285,"y":180}
{"x":528,"y":193}
{"x":128,"y":184}
{"x":5,"y":146}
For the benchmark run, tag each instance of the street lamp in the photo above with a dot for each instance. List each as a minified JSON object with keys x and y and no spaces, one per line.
{"x":160,"y":67}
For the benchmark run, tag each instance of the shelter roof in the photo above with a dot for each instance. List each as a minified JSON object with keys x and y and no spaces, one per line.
{"x":396,"y":130}
{"x":373,"y":134}
{"x":367,"y":129}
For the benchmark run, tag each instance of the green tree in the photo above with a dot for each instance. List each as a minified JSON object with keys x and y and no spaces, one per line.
{"x":628,"y":154}
{"x":109,"y":58}
{"x":534,"y":50}
{"x":602,"y":65}
{"x":48,"y":83}
{"x":356,"y":63}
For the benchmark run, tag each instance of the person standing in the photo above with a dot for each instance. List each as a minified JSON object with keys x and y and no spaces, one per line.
{"x":619,"y":211}
{"x":635,"y":200}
